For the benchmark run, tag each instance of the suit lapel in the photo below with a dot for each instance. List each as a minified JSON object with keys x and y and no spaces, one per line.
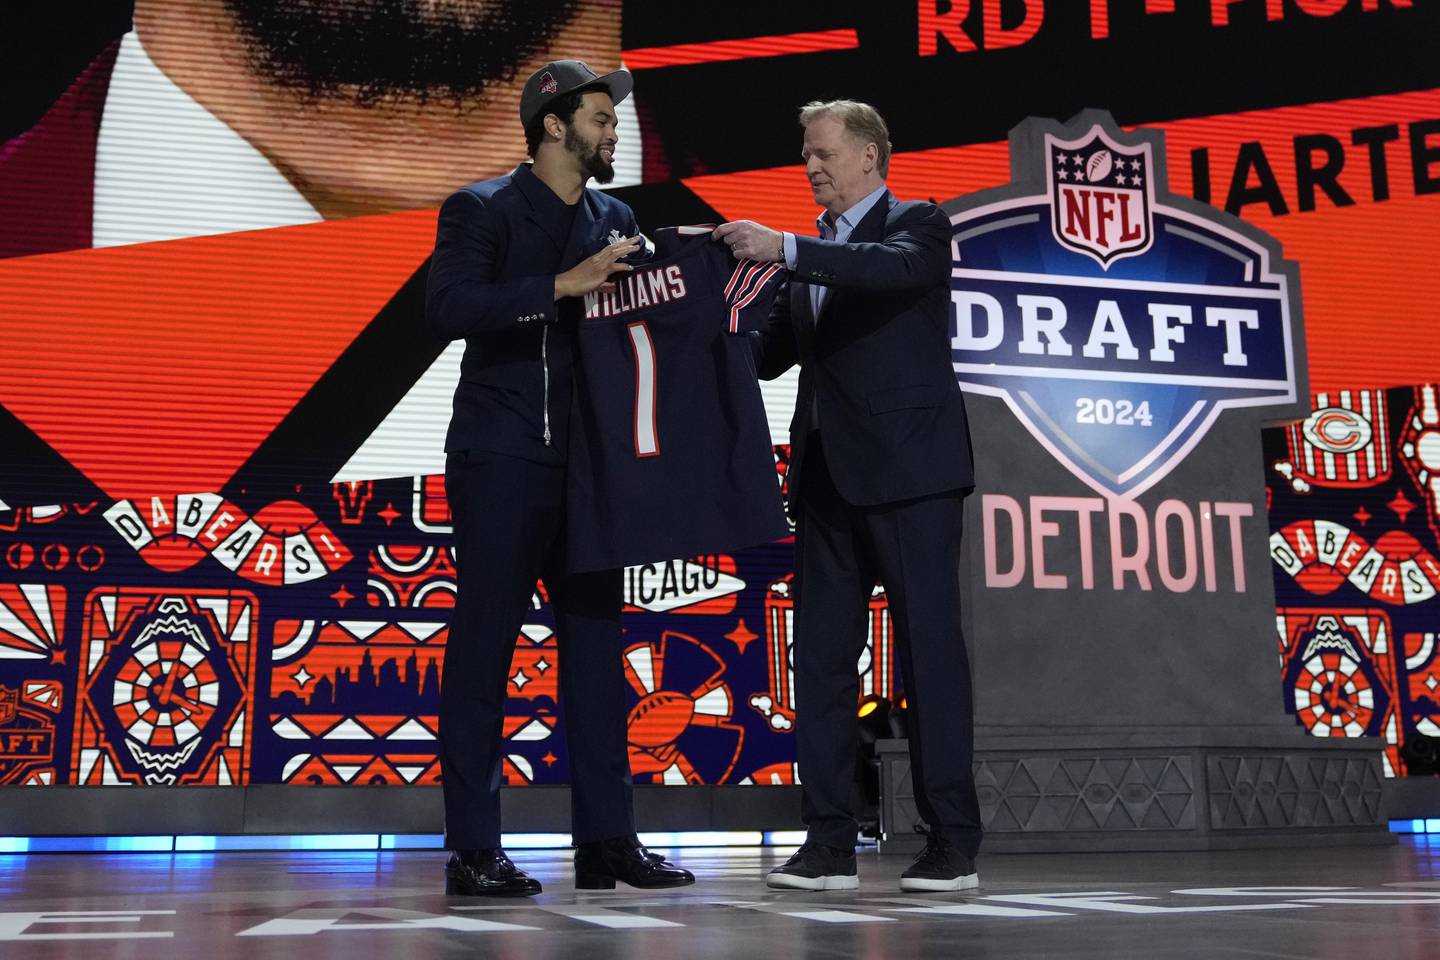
{"x":826,"y":300}
{"x":800,"y":310}
{"x":537,"y":194}
{"x":548,"y":229}
{"x":870,"y":229}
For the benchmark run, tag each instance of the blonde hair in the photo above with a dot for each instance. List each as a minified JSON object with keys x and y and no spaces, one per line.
{"x":862,"y":122}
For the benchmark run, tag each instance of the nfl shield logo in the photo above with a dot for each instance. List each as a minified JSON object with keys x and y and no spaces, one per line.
{"x":1101,"y":196}
{"x":547,"y":83}
{"x":9,"y":700}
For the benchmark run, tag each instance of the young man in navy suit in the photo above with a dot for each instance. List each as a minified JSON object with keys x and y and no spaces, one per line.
{"x":880,"y":464}
{"x":514,"y":257}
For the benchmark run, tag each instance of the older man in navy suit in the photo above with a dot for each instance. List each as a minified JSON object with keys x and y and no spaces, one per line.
{"x":514,"y":257}
{"x":880,"y":464}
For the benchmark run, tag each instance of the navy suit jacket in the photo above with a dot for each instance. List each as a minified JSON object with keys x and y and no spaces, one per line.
{"x":492,"y":283}
{"x":876,"y":364}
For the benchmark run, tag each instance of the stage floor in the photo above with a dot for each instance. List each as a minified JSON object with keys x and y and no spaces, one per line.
{"x":1290,"y":903}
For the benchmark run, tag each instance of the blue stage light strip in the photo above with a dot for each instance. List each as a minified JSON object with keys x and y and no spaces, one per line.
{"x":535,"y":841}
{"x":87,"y":844}
{"x":1430,"y":825}
{"x":320,"y":841}
{"x":784,"y":838}
{"x":740,"y":838}
{"x":387,"y":841}
{"x":412,"y":841}
{"x":379,"y":842}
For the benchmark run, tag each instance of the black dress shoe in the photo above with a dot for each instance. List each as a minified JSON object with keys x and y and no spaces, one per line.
{"x":940,"y":867}
{"x":816,"y":867}
{"x":598,"y":865}
{"x":486,"y":873}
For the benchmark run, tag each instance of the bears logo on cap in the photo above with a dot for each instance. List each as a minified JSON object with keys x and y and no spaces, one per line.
{"x":547,"y":83}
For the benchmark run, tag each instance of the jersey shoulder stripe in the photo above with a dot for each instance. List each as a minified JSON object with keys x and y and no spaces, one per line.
{"x":756,"y":283}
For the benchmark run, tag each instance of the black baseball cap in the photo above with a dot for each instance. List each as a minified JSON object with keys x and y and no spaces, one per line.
{"x":560,"y":77}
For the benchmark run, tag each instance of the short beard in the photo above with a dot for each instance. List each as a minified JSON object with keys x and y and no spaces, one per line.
{"x":592,"y":164}
{"x":366,"y":51}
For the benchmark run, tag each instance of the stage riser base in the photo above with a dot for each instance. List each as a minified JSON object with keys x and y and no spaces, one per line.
{"x":1067,"y":795}
{"x":1354,"y":811}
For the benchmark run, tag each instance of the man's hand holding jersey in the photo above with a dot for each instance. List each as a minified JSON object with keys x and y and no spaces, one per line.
{"x":749,"y":240}
{"x":594,"y":272}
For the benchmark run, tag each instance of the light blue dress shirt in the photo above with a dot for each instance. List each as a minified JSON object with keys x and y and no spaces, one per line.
{"x":839,"y":233}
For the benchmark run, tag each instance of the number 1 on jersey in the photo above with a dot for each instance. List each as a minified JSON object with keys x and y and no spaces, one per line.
{"x":647,"y":444}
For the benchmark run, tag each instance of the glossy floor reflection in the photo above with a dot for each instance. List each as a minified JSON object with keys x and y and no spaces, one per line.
{"x":1312,"y":902}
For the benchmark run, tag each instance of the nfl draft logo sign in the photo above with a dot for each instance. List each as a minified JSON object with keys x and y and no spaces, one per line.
{"x":1116,"y":320}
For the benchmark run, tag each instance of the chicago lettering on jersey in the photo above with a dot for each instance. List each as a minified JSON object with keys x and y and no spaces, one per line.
{"x":636,"y":291}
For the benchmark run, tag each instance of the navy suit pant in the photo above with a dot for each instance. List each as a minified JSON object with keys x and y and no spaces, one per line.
{"x":509,"y":517}
{"x":913,"y":548}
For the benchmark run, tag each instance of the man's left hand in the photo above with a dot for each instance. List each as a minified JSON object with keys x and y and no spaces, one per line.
{"x":749,"y":240}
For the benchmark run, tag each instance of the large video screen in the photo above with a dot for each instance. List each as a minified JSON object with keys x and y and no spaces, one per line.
{"x":220,"y":400}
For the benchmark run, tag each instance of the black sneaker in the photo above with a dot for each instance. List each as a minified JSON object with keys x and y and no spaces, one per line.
{"x":940,"y":867}
{"x":816,"y":867}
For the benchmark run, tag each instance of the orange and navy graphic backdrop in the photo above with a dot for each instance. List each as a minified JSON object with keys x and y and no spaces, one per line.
{"x":1355,"y":517}
{"x":198,"y":585}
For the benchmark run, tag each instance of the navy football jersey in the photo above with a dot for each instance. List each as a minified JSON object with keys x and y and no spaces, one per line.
{"x":670,"y":453}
